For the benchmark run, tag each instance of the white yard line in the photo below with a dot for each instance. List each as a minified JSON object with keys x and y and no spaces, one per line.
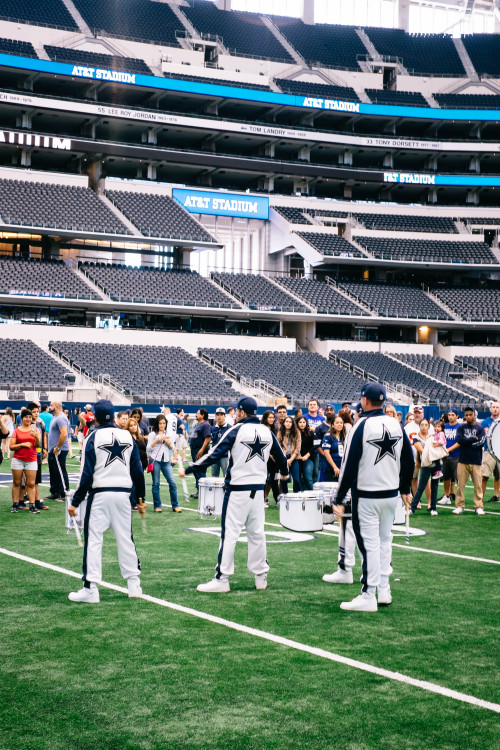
{"x":296,"y":645}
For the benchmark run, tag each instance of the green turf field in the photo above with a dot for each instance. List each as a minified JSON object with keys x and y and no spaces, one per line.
{"x":132,"y":674}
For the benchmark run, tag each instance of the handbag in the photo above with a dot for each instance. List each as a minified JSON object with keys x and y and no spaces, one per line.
{"x":432,"y":453}
{"x":151,"y":464}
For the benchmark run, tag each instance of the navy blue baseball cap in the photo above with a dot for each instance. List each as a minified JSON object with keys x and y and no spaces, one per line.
{"x":374,"y":392}
{"x":248,"y":405}
{"x":104,"y":411}
{"x":455,"y":411}
{"x":358,"y":408}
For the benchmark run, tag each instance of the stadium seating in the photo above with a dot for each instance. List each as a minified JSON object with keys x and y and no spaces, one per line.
{"x":291,"y":214}
{"x":48,"y":13}
{"x":243,"y":34}
{"x":42,"y":278}
{"x":422,"y":54}
{"x":97,"y":59}
{"x":136,"y":19}
{"x":488,"y":365}
{"x":481,"y":221}
{"x":308,"y":88}
{"x":395,"y":301}
{"x":156,"y":286}
{"x":330,"y":244}
{"x":158,"y":216}
{"x":299,"y":375}
{"x":150,"y":373}
{"x":24,"y":365}
{"x":257,"y":292}
{"x":432,"y":251}
{"x":333,"y":46}
{"x":326,"y":212}
{"x":402,"y":223}
{"x":14,"y":47}
{"x":439,"y":369}
{"x":325,"y":298}
{"x":217,"y":81}
{"x":484,"y":52}
{"x":468,"y":101}
{"x":471,"y":304}
{"x":40,"y":204}
{"x":397,"y":98}
{"x":395,"y":373}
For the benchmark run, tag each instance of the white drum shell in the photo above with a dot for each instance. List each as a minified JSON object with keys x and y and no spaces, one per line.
{"x":210,"y":496}
{"x":493,"y":441}
{"x":80,"y":512}
{"x":301,"y":511}
{"x":327,"y":491}
{"x":400,"y":515}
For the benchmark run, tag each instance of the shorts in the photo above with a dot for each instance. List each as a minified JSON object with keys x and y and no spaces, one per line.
{"x":180,"y":443}
{"x":489,"y":464}
{"x":18,"y":465}
{"x":450,"y":464}
{"x":79,"y":437}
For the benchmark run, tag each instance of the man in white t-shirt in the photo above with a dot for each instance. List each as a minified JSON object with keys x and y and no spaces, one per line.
{"x":412,"y":429}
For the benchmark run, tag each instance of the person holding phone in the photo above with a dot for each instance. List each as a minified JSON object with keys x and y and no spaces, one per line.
{"x":24,"y":443}
{"x":160,"y":451}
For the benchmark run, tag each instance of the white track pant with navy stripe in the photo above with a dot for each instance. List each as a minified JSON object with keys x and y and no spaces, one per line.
{"x":347,"y":544}
{"x":372,"y":520}
{"x":239,"y":510}
{"x":109,"y":510}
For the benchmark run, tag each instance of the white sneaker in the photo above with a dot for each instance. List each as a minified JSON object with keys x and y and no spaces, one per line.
{"x":261,"y":582}
{"x":434,"y":512}
{"x":90,"y":596}
{"x":445,"y":500}
{"x":457,"y":511}
{"x":134,"y":587}
{"x":340,"y":576}
{"x":215,"y":586}
{"x":384,"y":595}
{"x":362,"y":603}
{"x":479,"y":512}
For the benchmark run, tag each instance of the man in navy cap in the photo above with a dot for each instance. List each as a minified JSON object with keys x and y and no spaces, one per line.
{"x":110,"y":467}
{"x":377,"y":466}
{"x":250,"y":444}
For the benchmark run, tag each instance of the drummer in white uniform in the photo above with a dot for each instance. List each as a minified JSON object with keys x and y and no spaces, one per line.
{"x":249,"y":444}
{"x":491,"y":462}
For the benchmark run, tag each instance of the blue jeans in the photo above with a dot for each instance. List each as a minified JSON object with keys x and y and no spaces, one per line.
{"x":315,"y":459}
{"x":426,"y":473}
{"x":306,"y":473}
{"x":293,"y":472}
{"x":165,"y":468}
{"x":220,"y":466}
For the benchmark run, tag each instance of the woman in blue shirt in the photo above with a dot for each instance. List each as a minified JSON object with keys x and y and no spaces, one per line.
{"x":333,"y":449}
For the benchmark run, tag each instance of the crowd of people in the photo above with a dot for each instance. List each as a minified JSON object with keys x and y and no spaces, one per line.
{"x":449,"y":449}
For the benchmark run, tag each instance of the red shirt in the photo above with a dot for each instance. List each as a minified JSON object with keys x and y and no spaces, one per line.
{"x":88,"y":417}
{"x":25,"y":454}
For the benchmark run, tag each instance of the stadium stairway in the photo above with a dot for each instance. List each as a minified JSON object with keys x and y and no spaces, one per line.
{"x":289,"y":292}
{"x":431,"y":377}
{"x":285,"y":43}
{"x":466,"y":62}
{"x":260,"y":390}
{"x":78,"y":18}
{"x":441,"y":304}
{"x":350,"y":297}
{"x":114,"y":209}
{"x":91,"y":284}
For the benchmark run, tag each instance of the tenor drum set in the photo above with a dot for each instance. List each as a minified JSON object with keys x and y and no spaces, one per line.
{"x":210,"y":496}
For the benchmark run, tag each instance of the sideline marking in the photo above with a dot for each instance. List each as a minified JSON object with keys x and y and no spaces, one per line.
{"x":397,"y":676}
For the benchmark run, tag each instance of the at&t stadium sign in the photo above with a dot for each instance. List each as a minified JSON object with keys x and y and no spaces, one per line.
{"x":222,"y":204}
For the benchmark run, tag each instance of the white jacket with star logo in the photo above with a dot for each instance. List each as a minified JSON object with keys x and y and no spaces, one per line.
{"x":378,"y":459}
{"x":110,"y":462}
{"x":248,"y":444}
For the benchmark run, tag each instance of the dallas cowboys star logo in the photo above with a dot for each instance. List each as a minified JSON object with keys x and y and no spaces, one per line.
{"x":385,"y":445}
{"x":115,"y":451}
{"x":256,"y":448}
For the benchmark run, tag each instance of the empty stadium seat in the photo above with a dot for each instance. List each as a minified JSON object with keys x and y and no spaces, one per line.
{"x":433,"y":251}
{"x":15,"y":47}
{"x":257,"y":292}
{"x":97,"y":59}
{"x":156,"y":285}
{"x":132,"y":19}
{"x":325,"y":298}
{"x":50,"y":13}
{"x":330,"y":45}
{"x":24,"y":365}
{"x":308,"y":88}
{"x":158,"y":216}
{"x":397,"y":98}
{"x":42,"y":278}
{"x":150,"y":373}
{"x":471,"y":303}
{"x":330,"y":244}
{"x":395,"y":301}
{"x":403,"y":223}
{"x":421,"y":54}
{"x":40,"y":204}
{"x":484,"y":52}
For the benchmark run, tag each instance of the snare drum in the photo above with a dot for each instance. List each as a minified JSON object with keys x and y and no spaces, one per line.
{"x":210,"y":496}
{"x":80,"y":512}
{"x":327,"y":491}
{"x":493,"y":441}
{"x":301,"y":511}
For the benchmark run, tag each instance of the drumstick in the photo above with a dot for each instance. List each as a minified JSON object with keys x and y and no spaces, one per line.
{"x":184,"y":483}
{"x":407,"y":525}
{"x":77,"y":532}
